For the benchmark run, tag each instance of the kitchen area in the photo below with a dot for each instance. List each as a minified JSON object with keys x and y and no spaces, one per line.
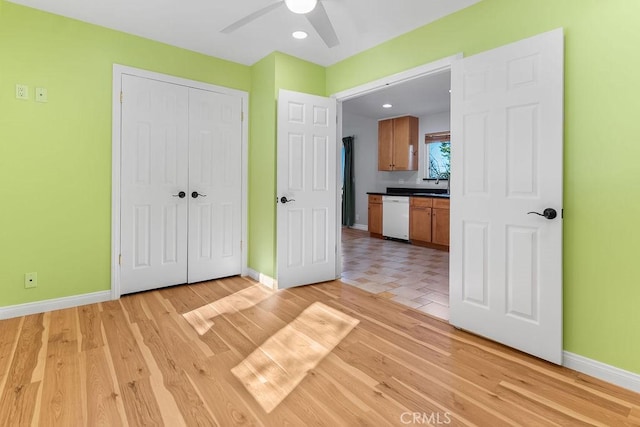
{"x":417,"y":215}
{"x":401,"y":152}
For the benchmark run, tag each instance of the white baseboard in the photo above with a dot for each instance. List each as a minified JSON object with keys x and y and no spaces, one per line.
{"x":602,"y":371}
{"x":53,"y":304}
{"x":362,"y":227}
{"x":267,"y":281}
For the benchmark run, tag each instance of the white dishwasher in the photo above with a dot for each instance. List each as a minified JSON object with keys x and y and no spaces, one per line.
{"x":395,"y":217}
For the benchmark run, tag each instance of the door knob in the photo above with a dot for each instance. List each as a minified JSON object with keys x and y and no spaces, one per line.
{"x":548,"y":213}
{"x":195,"y":195}
{"x":283,"y":199}
{"x":181,"y":194}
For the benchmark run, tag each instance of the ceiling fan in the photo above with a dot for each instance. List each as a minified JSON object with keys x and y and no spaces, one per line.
{"x":312,"y":9}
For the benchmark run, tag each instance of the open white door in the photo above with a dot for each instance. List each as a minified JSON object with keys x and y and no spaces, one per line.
{"x":507,"y":137}
{"x":306,"y":181}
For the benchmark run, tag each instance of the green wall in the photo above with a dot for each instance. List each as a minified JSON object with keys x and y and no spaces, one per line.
{"x":602,"y":147}
{"x":55,"y":158}
{"x":262,"y":160}
{"x":269,"y":75}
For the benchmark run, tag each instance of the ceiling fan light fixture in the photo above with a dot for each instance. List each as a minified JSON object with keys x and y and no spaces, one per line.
{"x":301,"y":6}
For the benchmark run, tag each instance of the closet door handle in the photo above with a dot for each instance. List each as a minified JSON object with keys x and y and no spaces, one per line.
{"x":181,"y":194}
{"x":195,"y":195}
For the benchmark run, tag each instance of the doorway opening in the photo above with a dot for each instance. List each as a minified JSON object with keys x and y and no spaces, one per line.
{"x":405,"y":272}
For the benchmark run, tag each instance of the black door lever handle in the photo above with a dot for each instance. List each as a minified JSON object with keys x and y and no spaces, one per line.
{"x":195,"y":195}
{"x":181,"y":194}
{"x":548,"y":213}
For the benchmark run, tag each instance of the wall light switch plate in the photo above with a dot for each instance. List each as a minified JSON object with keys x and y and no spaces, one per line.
{"x":41,"y":94}
{"x":22,"y":92}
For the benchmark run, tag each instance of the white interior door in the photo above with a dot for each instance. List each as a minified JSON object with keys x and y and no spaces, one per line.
{"x":306,"y":181}
{"x":507,"y":137}
{"x":215,"y":179}
{"x":153,"y":172}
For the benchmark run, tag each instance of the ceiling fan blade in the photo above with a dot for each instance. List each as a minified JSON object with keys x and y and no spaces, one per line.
{"x":255,"y":15}
{"x":320,"y":21}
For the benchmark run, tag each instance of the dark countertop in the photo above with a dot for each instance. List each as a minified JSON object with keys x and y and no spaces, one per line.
{"x":413,"y":192}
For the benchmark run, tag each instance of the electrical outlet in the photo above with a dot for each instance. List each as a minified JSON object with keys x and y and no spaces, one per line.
{"x":30,"y":280}
{"x":22,"y":92}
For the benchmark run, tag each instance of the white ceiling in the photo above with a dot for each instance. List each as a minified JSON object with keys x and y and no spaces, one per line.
{"x":421,"y":96}
{"x":196,"y":24}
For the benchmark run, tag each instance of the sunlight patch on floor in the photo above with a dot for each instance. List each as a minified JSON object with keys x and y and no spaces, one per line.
{"x":201,"y":318}
{"x":276,"y":368}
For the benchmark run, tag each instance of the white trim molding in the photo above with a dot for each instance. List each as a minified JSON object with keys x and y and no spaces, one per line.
{"x":434,"y":67}
{"x":53,"y":304}
{"x":602,"y":371}
{"x":362,"y":227}
{"x":263,"y":279}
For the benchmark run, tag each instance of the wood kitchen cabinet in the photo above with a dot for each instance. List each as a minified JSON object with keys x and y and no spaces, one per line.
{"x":429,"y":222}
{"x":440,"y":222}
{"x":375,"y":215}
{"x":420,"y":219}
{"x":398,"y":144}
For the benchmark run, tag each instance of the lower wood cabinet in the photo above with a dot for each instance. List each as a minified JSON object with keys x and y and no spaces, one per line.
{"x":420,"y":219}
{"x":375,"y":215}
{"x":440,"y":222}
{"x":429,"y":221}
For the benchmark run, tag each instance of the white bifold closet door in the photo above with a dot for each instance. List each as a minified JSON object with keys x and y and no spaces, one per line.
{"x":180,"y":184}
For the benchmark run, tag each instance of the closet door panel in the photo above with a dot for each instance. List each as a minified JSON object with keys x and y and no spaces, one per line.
{"x":215,"y":185}
{"x":154,"y":168}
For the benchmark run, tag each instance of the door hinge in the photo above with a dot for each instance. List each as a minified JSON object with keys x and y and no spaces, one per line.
{"x":242,"y":116}
{"x":120,"y":259}
{"x":240,"y":244}
{"x":120,"y":97}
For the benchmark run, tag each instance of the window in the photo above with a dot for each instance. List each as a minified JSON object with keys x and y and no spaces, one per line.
{"x":437,"y":155}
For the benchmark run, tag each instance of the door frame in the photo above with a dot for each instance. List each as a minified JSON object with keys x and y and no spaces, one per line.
{"x":433,"y":67}
{"x":118,"y":72}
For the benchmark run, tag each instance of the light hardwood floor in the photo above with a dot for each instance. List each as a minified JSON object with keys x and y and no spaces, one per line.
{"x":327,"y":354}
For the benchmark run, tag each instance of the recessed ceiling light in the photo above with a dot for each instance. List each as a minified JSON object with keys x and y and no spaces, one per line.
{"x":299,"y":35}
{"x":387,"y":105}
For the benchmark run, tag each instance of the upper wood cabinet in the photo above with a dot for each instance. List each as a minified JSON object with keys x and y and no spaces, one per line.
{"x":398,"y":144}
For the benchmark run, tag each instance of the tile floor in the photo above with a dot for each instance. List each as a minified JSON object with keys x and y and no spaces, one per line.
{"x":411,"y":275}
